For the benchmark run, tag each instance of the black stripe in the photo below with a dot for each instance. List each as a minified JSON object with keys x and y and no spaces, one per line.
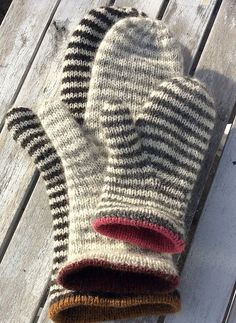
{"x":36,"y":146}
{"x":87,"y":36}
{"x":80,"y":45}
{"x":22,"y":119}
{"x":115,"y":189}
{"x":156,"y":137}
{"x":48,"y":166}
{"x":159,"y":152}
{"x":59,"y":259}
{"x":170,"y":108}
{"x":186,"y":129}
{"x":175,"y":148}
{"x":131,"y":164}
{"x":183,"y":100}
{"x":75,"y":79}
{"x":60,"y":248}
{"x":43,"y":156}
{"x":58,"y":204}
{"x":80,"y":57}
{"x":101,"y":16}
{"x":61,"y":236}
{"x":77,"y":68}
{"x":92,"y":25}
{"x":78,"y":100}
{"x":75,"y":89}
{"x":16,"y":111}
{"x":23,"y":129}
{"x":32,"y":136}
{"x":54,"y":174}
{"x":61,"y":192}
{"x":160,"y":167}
{"x":59,"y":215}
{"x":58,"y":182}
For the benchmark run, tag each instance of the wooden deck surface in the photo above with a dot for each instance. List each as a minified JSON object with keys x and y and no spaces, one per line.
{"x":33,"y":39}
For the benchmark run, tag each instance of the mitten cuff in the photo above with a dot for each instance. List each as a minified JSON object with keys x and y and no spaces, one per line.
{"x":82,"y":308}
{"x":148,"y":229}
{"x":116,"y":273}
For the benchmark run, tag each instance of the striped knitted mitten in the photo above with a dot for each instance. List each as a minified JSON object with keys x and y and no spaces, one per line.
{"x":143,"y":54}
{"x":74,"y":93}
{"x":154,"y":164}
{"x":81,"y":52}
{"x":96,"y":263}
{"x":66,"y":305}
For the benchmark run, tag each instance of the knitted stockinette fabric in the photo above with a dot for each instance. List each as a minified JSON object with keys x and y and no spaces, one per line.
{"x":154,"y":163}
{"x":144,"y":54}
{"x":75,"y":102}
{"x":97,"y":263}
{"x":81,"y":52}
{"x":67,"y":306}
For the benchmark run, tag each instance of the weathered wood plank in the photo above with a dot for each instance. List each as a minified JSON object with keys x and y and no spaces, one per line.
{"x":209,"y":272}
{"x":42,"y":81}
{"x":43,"y":317}
{"x":20,"y":35}
{"x":188,"y":21}
{"x":150,"y":7}
{"x":23,"y":272}
{"x":15,"y":182}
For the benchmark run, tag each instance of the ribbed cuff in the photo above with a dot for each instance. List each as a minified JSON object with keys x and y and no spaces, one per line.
{"x":157,"y":233}
{"x":99,"y":275}
{"x":84,"y":309}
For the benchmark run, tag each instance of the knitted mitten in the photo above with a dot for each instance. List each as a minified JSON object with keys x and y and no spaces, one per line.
{"x":154,"y":164}
{"x":124,"y":258}
{"x":65,"y":305}
{"x":81,"y":52}
{"x":97,"y":263}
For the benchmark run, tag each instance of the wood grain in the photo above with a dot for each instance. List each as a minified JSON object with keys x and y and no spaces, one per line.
{"x":150,"y":7}
{"x":23,"y":273}
{"x":21,"y":33}
{"x":41,"y":83}
{"x":209,"y":272}
{"x":43,"y":317}
{"x":188,"y":21}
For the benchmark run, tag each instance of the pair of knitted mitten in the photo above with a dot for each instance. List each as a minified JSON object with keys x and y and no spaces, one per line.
{"x":65,"y":305}
{"x":144,"y":53}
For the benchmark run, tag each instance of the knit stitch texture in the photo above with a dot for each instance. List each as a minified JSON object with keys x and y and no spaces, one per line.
{"x":65,"y":305}
{"x":166,"y":49}
{"x":154,"y":163}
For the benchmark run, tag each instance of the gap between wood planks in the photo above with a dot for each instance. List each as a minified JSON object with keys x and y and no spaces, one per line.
{"x":35,"y":177}
{"x":216,"y":159}
{"x":31,"y":60}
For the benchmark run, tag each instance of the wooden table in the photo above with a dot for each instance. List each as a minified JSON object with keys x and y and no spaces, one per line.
{"x":33,"y":39}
